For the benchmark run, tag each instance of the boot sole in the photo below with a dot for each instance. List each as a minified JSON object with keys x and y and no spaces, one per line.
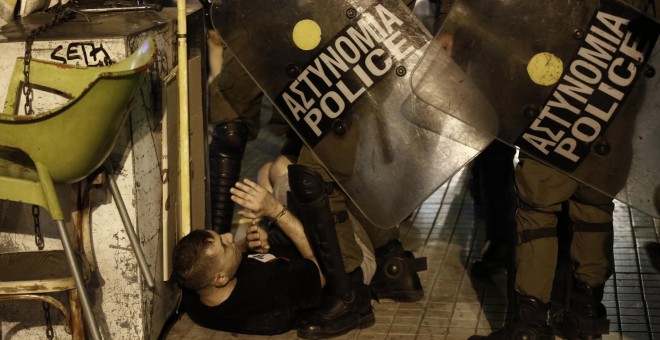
{"x":364,"y":321}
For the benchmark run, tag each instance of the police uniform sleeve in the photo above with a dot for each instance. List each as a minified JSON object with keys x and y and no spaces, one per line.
{"x":234,"y":95}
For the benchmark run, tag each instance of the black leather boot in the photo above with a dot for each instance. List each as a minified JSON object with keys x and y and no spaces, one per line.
{"x":396,"y":275}
{"x":340,"y":315}
{"x":346,"y":303}
{"x":529,"y":323}
{"x":495,"y":258}
{"x":585,"y":317}
{"x":225,"y":156}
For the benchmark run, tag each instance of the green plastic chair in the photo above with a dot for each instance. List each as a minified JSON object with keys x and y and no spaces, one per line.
{"x":66,"y":144}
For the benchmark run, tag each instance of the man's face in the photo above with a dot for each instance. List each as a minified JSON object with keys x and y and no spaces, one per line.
{"x":227,"y":255}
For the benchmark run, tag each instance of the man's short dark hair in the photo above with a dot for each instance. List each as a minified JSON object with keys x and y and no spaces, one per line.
{"x":191,"y":260}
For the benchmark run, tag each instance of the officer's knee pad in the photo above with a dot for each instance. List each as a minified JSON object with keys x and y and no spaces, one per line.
{"x":306,"y":184}
{"x":229,"y":139}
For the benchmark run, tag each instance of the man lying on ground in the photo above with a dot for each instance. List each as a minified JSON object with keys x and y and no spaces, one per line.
{"x":238,"y":287}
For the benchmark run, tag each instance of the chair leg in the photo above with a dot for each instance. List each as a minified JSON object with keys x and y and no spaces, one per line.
{"x":80,"y":284}
{"x":76,"y":324}
{"x":128,"y":226}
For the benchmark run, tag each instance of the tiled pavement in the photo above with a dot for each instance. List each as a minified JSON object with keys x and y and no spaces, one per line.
{"x":446,"y":231}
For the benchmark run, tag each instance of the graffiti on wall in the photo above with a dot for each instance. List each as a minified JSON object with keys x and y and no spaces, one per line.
{"x":82,"y":54}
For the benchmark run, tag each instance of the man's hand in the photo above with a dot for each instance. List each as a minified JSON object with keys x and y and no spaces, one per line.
{"x":257,"y":201}
{"x":257,"y":238}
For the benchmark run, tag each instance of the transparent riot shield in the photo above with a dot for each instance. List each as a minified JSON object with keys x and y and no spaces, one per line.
{"x":339,"y":72}
{"x":571,"y":83}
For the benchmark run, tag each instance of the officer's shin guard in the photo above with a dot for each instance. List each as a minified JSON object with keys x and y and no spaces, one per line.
{"x":585,"y":317}
{"x":346,"y":302}
{"x":396,"y":275}
{"x":225,"y":156}
{"x":529,"y":323}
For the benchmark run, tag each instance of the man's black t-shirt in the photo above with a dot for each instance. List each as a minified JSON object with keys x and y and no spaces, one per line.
{"x":267,"y":298}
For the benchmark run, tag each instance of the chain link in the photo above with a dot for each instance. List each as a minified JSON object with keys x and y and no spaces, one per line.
{"x":63,"y":13}
{"x":39,"y":240}
{"x":49,"y":325}
{"x":38,"y":236}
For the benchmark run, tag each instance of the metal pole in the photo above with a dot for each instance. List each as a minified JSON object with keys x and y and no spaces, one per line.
{"x":184,"y":136}
{"x":80,"y":284}
{"x":128,"y":226}
{"x":56,"y":213}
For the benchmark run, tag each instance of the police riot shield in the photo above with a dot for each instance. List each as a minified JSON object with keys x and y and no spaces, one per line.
{"x":571,"y":83}
{"x":339,"y":72}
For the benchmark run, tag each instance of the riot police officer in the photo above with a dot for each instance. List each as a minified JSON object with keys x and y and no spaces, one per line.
{"x":320,"y":204}
{"x":542,"y":191}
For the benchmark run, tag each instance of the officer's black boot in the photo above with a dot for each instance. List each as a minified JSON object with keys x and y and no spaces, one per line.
{"x":346,"y":303}
{"x":495,"y":258}
{"x":225,"y":156}
{"x":585,"y":317}
{"x":529,"y":323}
{"x":494,"y":200}
{"x":396,"y":275}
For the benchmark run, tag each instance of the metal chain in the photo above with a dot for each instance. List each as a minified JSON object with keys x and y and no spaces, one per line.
{"x":39,"y":240}
{"x":63,"y":13}
{"x":50,"y":335}
{"x":38,"y":236}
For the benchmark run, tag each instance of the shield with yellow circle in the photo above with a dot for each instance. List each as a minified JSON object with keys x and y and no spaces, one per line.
{"x":571,"y":83}
{"x":340,"y":72}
